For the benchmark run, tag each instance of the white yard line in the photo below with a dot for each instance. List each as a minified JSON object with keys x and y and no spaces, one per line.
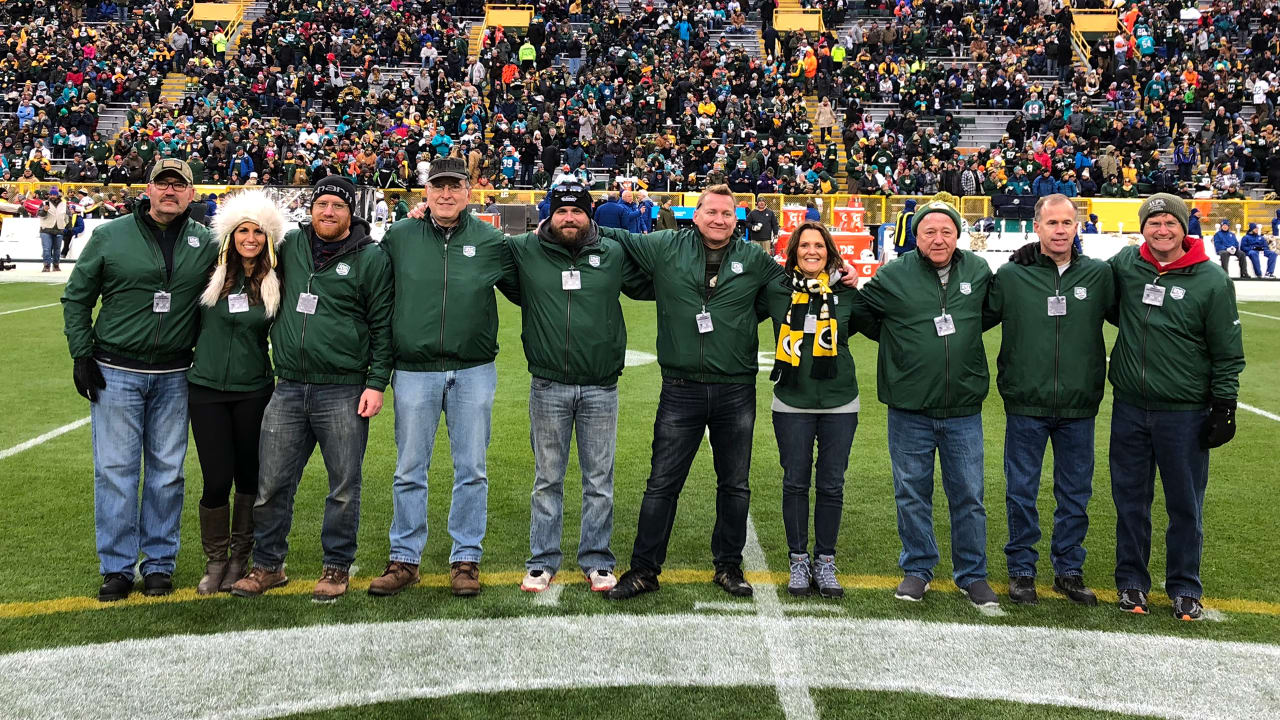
{"x":790,"y":670}
{"x":1269,"y":317}
{"x":1258,"y":411}
{"x":42,"y":438}
{"x":321,"y":667}
{"x":33,"y":307}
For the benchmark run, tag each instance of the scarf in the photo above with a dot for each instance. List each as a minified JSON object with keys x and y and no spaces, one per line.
{"x":791,"y":336}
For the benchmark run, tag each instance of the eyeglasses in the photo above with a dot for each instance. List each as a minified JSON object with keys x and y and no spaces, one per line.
{"x":325,"y":206}
{"x":175,"y":185}
{"x":447,"y":187}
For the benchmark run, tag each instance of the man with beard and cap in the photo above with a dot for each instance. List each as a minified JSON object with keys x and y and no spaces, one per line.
{"x":574,"y":339}
{"x":1175,"y":374}
{"x":446,"y":263}
{"x":130,"y":364}
{"x":331,"y":342}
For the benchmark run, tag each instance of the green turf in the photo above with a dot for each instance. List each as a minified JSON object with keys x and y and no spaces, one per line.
{"x":47,"y":518}
{"x":645,"y":703}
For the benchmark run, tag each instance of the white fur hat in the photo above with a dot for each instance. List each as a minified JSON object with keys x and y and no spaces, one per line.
{"x":248,"y":206}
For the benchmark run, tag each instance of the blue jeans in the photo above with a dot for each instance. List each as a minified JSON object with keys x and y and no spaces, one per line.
{"x":139,"y":428}
{"x":466,"y":399}
{"x":913,"y":438}
{"x":555,"y":410}
{"x":796,"y":434}
{"x":1257,"y":262}
{"x":50,"y":246}
{"x":727,"y":412}
{"x":300,"y":416}
{"x":1143,"y":441}
{"x":1024,"y":442}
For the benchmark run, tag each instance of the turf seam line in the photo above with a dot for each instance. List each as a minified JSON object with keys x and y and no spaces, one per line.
{"x":42,"y":438}
{"x":33,"y":307}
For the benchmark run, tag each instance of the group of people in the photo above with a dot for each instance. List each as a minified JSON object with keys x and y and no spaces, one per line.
{"x":187,"y":312}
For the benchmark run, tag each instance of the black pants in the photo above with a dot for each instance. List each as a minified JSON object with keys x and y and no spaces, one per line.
{"x":727,"y":412}
{"x":226,"y":436}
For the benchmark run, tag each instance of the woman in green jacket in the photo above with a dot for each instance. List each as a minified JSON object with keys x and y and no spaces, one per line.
{"x":815,"y":398}
{"x":231,"y":382}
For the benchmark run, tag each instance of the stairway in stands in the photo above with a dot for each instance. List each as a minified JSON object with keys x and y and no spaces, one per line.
{"x":811,"y":102}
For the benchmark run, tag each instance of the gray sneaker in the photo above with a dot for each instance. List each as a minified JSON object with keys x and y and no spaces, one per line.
{"x":911,"y":589}
{"x":824,"y":575}
{"x":981,"y":594}
{"x":801,"y":582}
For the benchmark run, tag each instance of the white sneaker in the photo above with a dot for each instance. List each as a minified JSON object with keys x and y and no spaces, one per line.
{"x":601,"y":580}
{"x":536,"y":581}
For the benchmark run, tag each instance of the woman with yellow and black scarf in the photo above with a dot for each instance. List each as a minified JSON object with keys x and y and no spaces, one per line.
{"x":815,"y":399}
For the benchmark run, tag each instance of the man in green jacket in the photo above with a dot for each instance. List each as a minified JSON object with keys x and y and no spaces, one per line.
{"x":712,"y":290}
{"x":932,"y":373}
{"x":1175,"y":372}
{"x":1051,"y":302}
{"x":445,"y":327}
{"x":149,"y":268}
{"x":575,"y":340}
{"x":331,"y":343}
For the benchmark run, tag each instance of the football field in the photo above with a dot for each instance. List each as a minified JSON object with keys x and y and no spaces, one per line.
{"x":687,"y":651}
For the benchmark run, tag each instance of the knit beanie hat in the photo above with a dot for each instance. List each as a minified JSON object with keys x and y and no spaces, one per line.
{"x":1163,"y":203}
{"x":935,"y":207}
{"x":564,"y":195}
{"x":248,"y":206}
{"x":335,"y":185}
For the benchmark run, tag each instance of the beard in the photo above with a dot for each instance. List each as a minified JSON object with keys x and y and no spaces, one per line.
{"x":568,"y":235}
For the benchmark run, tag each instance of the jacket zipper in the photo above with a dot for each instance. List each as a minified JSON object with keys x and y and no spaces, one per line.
{"x":568,"y":314}
{"x":946,"y":344}
{"x":155,"y":252}
{"x":444,"y":301}
{"x":1146,"y":322}
{"x":1057,"y":333}
{"x":226,"y":375}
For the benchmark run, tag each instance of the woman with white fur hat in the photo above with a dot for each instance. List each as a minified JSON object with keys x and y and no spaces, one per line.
{"x":231,"y":379}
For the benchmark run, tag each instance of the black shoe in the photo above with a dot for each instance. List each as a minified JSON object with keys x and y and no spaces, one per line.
{"x":157,"y":584}
{"x":115,"y":586}
{"x":730,"y":578}
{"x":632,"y":583}
{"x":1073,"y":587}
{"x":1187,"y":608}
{"x":1022,"y":590}
{"x":1133,"y":600}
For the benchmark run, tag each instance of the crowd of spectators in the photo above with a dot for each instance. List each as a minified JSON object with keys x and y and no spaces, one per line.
{"x":667,"y":97}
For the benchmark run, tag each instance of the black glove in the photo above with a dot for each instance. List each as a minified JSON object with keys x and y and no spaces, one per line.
{"x":1025,"y":255}
{"x":88,"y":378}
{"x":1220,"y":426}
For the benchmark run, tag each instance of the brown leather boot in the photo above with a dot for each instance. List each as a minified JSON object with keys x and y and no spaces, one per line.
{"x":396,"y":577}
{"x":258,"y":581}
{"x":331,"y":586}
{"x":464,"y":578}
{"x":241,"y":540}
{"x":216,"y":539}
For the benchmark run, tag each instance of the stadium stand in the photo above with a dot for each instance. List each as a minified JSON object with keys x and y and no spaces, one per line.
{"x":971,"y":97}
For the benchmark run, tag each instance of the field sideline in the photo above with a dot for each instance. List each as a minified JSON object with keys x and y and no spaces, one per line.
{"x":688,"y":648}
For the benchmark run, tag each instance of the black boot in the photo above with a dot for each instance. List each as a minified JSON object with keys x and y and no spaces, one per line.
{"x":241,"y":540}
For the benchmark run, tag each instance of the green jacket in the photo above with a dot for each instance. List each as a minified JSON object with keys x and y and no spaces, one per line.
{"x":1184,"y":353}
{"x":918,"y":370}
{"x":676,"y":261}
{"x":123,"y":264}
{"x":348,"y":339}
{"x":802,"y":390}
{"x":446,"y":315}
{"x":576,"y":337}
{"x":1051,"y":366}
{"x":231,"y":351}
